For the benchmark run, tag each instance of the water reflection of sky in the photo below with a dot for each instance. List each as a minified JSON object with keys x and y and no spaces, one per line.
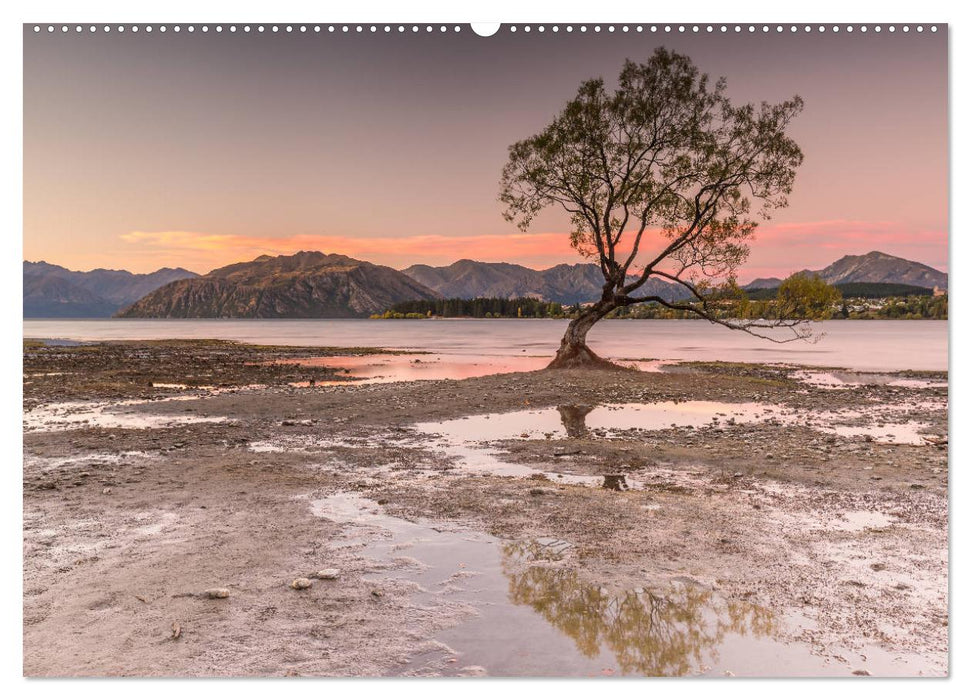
{"x":861,"y":345}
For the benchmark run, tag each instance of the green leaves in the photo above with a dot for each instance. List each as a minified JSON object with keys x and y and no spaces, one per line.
{"x":664,"y":150}
{"x":806,"y":297}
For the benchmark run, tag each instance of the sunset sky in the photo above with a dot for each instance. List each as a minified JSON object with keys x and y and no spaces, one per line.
{"x":197,"y":150}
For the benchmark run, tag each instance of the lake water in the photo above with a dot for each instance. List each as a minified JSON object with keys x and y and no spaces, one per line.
{"x":857,"y":345}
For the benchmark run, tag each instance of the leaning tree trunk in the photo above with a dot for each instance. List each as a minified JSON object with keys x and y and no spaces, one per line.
{"x":573,"y":350}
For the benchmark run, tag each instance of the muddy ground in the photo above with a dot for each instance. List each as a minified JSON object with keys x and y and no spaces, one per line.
{"x":837,"y":541}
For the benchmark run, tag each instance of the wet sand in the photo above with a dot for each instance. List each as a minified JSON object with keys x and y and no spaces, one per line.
{"x":714,"y":519}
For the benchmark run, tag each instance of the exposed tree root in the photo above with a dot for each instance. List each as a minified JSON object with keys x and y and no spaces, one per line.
{"x":581,"y":357}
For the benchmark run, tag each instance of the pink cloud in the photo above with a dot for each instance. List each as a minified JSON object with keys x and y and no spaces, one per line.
{"x":220,"y":249}
{"x":777,"y":250}
{"x":780,"y":249}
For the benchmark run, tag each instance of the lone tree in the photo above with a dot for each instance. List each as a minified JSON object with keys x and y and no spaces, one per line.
{"x":660,"y":178}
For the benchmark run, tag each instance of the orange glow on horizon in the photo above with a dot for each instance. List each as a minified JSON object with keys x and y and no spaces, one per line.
{"x":777,"y":250}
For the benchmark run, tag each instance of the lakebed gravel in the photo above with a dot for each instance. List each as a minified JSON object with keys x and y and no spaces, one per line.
{"x":842,"y":533}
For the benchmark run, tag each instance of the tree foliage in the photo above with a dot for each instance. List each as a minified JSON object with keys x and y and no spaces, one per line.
{"x":803,"y":296}
{"x":662,"y":176}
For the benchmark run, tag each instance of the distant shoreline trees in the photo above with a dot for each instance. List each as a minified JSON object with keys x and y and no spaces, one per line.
{"x":759,"y":305}
{"x":481,"y":307}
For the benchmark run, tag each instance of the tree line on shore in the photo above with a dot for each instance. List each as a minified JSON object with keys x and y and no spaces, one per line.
{"x":852,"y":308}
{"x":829,"y":304}
{"x":481,"y":307}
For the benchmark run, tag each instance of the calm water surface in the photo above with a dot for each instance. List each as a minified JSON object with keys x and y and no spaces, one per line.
{"x":859,"y":345}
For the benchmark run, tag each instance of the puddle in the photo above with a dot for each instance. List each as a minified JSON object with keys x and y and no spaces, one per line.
{"x":468,"y":439}
{"x":81,"y":414}
{"x":537,"y":616}
{"x":465,"y":438}
{"x":859,"y":520}
{"x":382,"y":369}
{"x":848,"y":380}
{"x":910,"y":433}
{"x":576,"y":421}
{"x":266,"y":446}
{"x":47,"y":464}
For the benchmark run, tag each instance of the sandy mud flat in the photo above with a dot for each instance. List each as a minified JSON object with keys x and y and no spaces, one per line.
{"x":212,"y":509}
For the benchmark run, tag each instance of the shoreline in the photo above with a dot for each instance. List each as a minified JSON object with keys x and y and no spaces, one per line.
{"x":772,"y":500}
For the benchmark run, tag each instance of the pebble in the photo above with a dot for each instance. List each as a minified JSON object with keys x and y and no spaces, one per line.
{"x":299,"y":584}
{"x":106,"y":491}
{"x":328,"y":574}
{"x":217,"y":593}
{"x":472,"y":671}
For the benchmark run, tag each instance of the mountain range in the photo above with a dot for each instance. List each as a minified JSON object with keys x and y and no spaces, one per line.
{"x":52,"y":291}
{"x":567,"y":284}
{"x":315,"y":285}
{"x":303,"y":285}
{"x":874,"y":267}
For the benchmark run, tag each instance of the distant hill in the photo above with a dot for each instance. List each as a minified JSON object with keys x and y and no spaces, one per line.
{"x":764,"y":283}
{"x":52,"y":291}
{"x":566,"y":284}
{"x":315,"y":285}
{"x":303,"y":285}
{"x":874,"y":267}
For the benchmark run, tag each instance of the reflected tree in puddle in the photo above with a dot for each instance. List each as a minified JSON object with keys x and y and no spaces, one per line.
{"x":649,"y":633}
{"x":615,"y":482}
{"x":574,"y":419}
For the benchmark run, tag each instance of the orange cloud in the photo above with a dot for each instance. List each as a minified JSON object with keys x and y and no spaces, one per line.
{"x":777,"y":250}
{"x":220,"y":249}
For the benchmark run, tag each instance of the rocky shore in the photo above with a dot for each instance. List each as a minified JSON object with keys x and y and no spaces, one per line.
{"x":208,"y":509}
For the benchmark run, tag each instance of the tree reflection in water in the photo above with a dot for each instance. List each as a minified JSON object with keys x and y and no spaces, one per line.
{"x":648,"y":633}
{"x":574,"y":419}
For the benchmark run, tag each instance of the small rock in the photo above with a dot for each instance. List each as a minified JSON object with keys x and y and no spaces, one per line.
{"x":106,"y":491}
{"x":861,"y":672}
{"x":328,"y":574}
{"x":299,"y":584}
{"x":217,"y":593}
{"x":472,"y":671}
